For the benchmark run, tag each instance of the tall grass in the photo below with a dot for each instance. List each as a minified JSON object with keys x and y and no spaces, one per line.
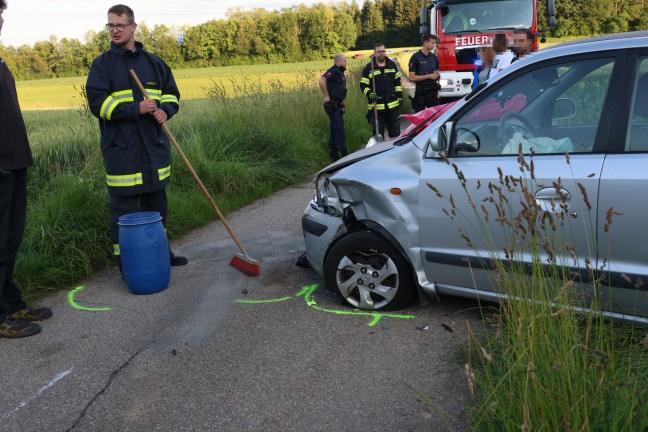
{"x":543,"y":363}
{"x":272,"y":135}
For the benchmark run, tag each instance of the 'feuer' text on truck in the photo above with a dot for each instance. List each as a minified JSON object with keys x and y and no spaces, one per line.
{"x":462,"y":26}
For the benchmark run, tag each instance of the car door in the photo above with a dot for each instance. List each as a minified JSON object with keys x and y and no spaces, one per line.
{"x":475,"y":204}
{"x":623,"y":198}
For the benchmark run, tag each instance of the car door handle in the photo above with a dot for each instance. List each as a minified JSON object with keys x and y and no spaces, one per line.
{"x":545,"y":196}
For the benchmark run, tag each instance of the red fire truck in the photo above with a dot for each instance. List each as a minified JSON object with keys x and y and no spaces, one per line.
{"x":462,"y":26}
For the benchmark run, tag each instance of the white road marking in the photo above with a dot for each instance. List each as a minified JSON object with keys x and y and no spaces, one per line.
{"x":38,"y":393}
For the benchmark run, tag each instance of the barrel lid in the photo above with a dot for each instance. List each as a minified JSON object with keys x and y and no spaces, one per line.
{"x":140,"y":218}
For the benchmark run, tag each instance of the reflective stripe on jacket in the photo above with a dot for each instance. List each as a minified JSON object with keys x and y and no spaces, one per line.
{"x":136,"y":152}
{"x":388,"y":85}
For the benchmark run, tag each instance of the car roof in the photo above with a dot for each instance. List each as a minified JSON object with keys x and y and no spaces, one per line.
{"x":604,"y":42}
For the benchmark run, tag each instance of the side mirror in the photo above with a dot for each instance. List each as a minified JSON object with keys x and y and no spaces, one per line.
{"x":439,"y":139}
{"x":563,"y":108}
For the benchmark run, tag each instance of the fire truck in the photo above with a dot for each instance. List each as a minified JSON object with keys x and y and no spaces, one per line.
{"x":462,"y":26}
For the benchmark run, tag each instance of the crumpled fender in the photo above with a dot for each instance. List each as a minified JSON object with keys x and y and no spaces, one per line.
{"x":365,"y":188}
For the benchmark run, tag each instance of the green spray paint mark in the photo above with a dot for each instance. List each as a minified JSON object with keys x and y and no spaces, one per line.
{"x":75,"y":305}
{"x":277,"y":300}
{"x":307,"y":292}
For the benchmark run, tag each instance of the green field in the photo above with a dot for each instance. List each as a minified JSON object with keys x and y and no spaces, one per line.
{"x":65,"y":93}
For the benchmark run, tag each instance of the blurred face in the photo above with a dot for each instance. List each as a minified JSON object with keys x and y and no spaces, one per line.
{"x":487,"y":54}
{"x":380,"y":52}
{"x":122,"y":32}
{"x":1,"y":20}
{"x":521,"y":44}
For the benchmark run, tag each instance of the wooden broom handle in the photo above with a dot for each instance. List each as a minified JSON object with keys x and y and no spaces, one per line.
{"x":193,"y":172}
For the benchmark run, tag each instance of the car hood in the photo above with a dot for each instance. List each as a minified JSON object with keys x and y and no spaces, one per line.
{"x":358,"y":156}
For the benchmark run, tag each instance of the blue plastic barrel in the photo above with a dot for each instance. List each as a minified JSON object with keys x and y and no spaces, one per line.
{"x":144,"y":250}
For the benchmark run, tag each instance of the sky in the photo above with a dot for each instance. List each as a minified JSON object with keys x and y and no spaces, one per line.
{"x":29,"y":21}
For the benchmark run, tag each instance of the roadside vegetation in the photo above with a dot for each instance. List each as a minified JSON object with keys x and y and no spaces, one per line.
{"x":271,"y":135}
{"x":540,"y":364}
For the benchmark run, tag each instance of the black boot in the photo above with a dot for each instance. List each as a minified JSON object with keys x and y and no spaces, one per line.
{"x":177,"y":260}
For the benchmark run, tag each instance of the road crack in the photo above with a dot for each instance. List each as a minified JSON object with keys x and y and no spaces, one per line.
{"x":112,"y":376}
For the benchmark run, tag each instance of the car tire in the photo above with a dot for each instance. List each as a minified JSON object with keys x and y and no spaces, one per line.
{"x":368,"y":272}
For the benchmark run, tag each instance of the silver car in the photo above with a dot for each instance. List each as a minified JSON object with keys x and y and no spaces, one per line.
{"x":566,"y":129}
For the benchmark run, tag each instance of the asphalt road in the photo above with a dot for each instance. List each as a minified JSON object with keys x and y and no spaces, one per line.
{"x":195,"y":358}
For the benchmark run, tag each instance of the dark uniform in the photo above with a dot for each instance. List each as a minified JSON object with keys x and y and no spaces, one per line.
{"x":15,"y":157}
{"x":389,"y":92}
{"x":336,"y":86}
{"x":136,"y":152}
{"x":427,"y":91}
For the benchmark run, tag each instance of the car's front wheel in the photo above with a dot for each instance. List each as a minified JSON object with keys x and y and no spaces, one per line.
{"x":369,"y":272}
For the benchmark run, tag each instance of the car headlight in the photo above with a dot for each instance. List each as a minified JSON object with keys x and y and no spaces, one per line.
{"x":322,"y":186}
{"x":446,"y":82}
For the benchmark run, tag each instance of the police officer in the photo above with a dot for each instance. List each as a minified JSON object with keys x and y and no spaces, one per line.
{"x":424,"y":72}
{"x":387,"y":94}
{"x":136,"y":153}
{"x":333,"y":86}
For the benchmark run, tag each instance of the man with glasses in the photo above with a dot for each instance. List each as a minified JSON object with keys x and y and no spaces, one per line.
{"x":381,"y":84}
{"x":424,"y":72}
{"x":136,"y":153}
{"x":16,"y":319}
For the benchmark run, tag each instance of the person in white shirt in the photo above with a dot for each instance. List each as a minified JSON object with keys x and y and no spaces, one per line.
{"x":503,"y":57}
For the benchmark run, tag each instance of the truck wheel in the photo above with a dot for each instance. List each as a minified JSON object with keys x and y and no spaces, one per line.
{"x":368,"y":272}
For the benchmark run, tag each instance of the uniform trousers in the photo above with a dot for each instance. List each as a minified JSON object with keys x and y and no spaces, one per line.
{"x":121,"y":205}
{"x":387,"y":118}
{"x":425,"y":98}
{"x":337,"y":146}
{"x":13,"y":211}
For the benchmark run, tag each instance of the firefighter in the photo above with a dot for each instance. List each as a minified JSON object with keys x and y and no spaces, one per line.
{"x":16,"y":319}
{"x":424,"y":72}
{"x":136,"y":153}
{"x":333,"y":86}
{"x":387,"y":94}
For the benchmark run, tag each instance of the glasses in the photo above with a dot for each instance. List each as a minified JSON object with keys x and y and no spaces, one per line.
{"x":118,"y":27}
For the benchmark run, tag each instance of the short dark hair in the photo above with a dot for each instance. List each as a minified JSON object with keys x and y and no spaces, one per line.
{"x":427,"y":37}
{"x":120,"y":10}
{"x":379,"y":44}
{"x":527,"y":33}
{"x":500,"y":38}
{"x":3,"y":4}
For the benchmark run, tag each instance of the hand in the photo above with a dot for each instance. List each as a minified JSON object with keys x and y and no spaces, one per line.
{"x":327,"y":99}
{"x":372,"y":96}
{"x":147,"y":106}
{"x":160,"y":116}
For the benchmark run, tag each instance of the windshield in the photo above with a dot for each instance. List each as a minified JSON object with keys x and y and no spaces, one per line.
{"x":482,"y":15}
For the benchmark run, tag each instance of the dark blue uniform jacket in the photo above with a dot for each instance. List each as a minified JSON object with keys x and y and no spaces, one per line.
{"x":137,"y":155}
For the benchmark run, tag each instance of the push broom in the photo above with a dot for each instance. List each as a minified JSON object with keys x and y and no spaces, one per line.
{"x":241,"y":260}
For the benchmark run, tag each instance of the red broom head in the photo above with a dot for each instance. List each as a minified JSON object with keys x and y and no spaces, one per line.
{"x":246,"y":265}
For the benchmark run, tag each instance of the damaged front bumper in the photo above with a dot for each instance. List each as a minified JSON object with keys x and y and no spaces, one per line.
{"x":320,"y":232}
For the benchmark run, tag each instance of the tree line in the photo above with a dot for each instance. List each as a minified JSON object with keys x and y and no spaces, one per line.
{"x":298,"y":33}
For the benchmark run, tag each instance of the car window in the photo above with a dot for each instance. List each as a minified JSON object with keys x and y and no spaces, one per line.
{"x":637,"y":137}
{"x":554,"y":109}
